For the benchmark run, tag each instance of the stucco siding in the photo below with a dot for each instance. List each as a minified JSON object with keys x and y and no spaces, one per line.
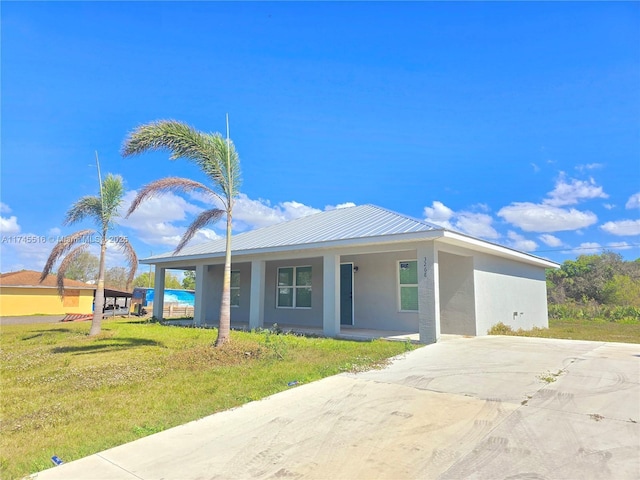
{"x":33,"y":301}
{"x":457,"y":305}
{"x":375,"y":292}
{"x":306,"y":317}
{"x":509,"y":292}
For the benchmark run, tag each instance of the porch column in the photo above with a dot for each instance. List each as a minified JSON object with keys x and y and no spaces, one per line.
{"x":199,"y":302}
{"x":428,"y":294}
{"x":331,"y":295}
{"x":256,"y":302}
{"x":158,"y":292}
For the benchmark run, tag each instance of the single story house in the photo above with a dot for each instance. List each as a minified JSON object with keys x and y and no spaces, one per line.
{"x":21,"y":293}
{"x":365,"y":267}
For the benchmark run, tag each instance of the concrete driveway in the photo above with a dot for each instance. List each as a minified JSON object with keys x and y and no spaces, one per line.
{"x":483,"y":408}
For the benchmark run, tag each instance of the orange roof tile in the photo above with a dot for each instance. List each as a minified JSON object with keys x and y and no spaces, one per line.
{"x":30,"y":278}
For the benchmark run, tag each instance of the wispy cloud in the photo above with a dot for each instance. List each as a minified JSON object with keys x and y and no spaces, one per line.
{"x":573,"y":191}
{"x":550,"y":240}
{"x":473,"y":223}
{"x":622,"y":227}
{"x":519,"y":242}
{"x":534,"y":217}
{"x":633,"y":202}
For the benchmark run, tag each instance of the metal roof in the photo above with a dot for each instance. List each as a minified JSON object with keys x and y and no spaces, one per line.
{"x":363,"y":221}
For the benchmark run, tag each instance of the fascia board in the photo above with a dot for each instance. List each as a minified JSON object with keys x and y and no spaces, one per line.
{"x":454,"y":238}
{"x":319,"y":246}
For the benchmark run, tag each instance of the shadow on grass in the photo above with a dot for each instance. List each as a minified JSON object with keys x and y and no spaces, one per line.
{"x":42,"y":333}
{"x":106,"y":345}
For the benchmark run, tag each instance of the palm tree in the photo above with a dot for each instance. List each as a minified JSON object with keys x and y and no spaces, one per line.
{"x":218,"y":160}
{"x":102,"y":209}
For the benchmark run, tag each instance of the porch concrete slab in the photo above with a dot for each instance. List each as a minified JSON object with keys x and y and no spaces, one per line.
{"x":463,"y":408}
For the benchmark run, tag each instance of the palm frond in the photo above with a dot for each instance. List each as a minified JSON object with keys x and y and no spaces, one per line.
{"x":112,"y":192}
{"x":169,"y":184}
{"x":64,"y":266}
{"x":201,"y":220}
{"x":207,"y":150}
{"x":86,"y":207}
{"x":122,"y":243}
{"x":62,"y":247}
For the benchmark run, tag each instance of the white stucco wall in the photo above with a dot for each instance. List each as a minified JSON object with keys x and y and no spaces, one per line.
{"x":214,"y":293}
{"x":457,"y":305}
{"x":509,"y":292}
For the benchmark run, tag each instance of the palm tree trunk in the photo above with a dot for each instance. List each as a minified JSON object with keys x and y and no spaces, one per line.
{"x":98,"y":306}
{"x":225,"y":305}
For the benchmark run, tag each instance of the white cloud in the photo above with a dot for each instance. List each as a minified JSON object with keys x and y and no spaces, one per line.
{"x":532,"y":217}
{"x":249,"y":214}
{"x":153,"y":221}
{"x":476,"y":224}
{"x":519,"y":242}
{"x":550,"y":240}
{"x":340,"y":205}
{"x":619,"y":245}
{"x":622,"y":227}
{"x":589,"y":166}
{"x":634,"y":201}
{"x":4,"y":208}
{"x":571,"y":193}
{"x":439,"y":214}
{"x":587,"y":248}
{"x":27,"y":250}
{"x":162,"y":220}
{"x":9,"y":226}
{"x":472,"y":223}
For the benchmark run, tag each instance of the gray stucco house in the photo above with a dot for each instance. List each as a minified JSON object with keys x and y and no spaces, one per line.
{"x":365,"y":267}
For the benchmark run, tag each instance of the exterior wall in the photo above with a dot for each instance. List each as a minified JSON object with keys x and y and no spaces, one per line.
{"x":33,"y":301}
{"x":376,"y":290}
{"x":457,"y":306}
{"x":214,"y":293}
{"x":509,"y":292}
{"x":306,"y":317}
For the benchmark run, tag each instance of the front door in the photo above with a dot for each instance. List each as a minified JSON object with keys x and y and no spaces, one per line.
{"x":346,"y":294}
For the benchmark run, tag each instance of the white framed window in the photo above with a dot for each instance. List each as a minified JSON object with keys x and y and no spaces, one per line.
{"x":235,"y":288}
{"x":294,"y":287}
{"x":408,"y":285}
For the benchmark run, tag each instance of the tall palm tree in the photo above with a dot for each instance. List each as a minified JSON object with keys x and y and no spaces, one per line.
{"x":103,"y":210}
{"x":218,"y":160}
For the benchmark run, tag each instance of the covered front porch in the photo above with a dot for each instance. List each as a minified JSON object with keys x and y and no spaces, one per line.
{"x":346,"y":333}
{"x":355,"y":293}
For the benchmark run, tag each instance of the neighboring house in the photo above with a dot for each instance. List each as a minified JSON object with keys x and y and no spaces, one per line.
{"x":21,"y":293}
{"x":365,"y":267}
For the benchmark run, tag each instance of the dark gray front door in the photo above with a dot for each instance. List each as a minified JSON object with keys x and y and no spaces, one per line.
{"x":346,"y":294}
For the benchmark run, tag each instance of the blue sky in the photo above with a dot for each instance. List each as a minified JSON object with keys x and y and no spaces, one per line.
{"x":518,"y":123}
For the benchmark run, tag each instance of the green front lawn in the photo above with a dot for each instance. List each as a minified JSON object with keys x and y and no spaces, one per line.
{"x":625,"y":331}
{"x":69,"y":395}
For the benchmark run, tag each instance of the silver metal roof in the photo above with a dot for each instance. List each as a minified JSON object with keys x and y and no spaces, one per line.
{"x":363,"y":221}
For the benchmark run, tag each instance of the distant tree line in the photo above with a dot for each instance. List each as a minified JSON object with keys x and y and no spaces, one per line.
{"x":84,"y":267}
{"x":605,"y":279}
{"x":595,"y":286}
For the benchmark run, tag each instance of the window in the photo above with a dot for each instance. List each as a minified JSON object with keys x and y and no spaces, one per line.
{"x":294,"y":287}
{"x":71,"y":298}
{"x":235,"y":289}
{"x":408,"y":275}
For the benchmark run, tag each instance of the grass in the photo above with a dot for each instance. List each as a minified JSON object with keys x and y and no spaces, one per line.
{"x":624,"y":331}
{"x":69,"y":395}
